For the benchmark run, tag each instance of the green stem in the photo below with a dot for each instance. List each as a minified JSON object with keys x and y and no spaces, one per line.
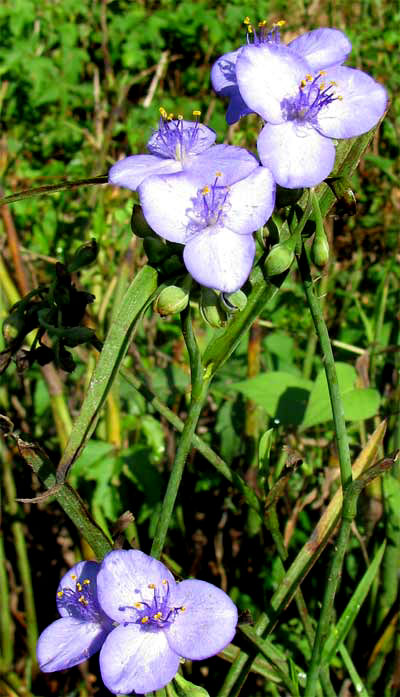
{"x":6,"y":623}
{"x":199,"y":393}
{"x":329,"y":364}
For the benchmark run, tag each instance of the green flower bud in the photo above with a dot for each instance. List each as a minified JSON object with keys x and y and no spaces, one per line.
{"x":280,"y":257}
{"x":210,"y":309}
{"x":184,"y":688}
{"x":171,"y":300}
{"x":320,"y":250}
{"x":13,"y":326}
{"x":233,"y":302}
{"x":139,"y":225}
{"x":85,"y":254}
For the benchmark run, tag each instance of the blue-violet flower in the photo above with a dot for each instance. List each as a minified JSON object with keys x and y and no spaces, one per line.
{"x":159,"y":621}
{"x":320,"y":48}
{"x":304,"y":110}
{"x":214,"y":222}
{"x":180,"y":145}
{"x":83,"y":625}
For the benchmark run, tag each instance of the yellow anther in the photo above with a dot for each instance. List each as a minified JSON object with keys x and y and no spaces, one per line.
{"x":151,"y":585}
{"x":218,"y":174}
{"x":204,"y":191}
{"x":309,"y":77}
{"x":81,"y":599}
{"x":280,"y":23}
{"x":196,"y":112}
{"x":145,"y":619}
{"x":163,"y":112}
{"x":263,"y":23}
{"x":79,"y":586}
{"x":73,"y":577}
{"x":333,"y":83}
{"x":322,"y":72}
{"x":246,"y":20}
{"x":180,"y":117}
{"x":182,"y":609}
{"x":86,"y":582}
{"x":137,"y":605}
{"x":322,"y":86}
{"x":164,"y":581}
{"x":170,"y":116}
{"x":60,"y":594}
{"x":339,"y":97}
{"x":303,"y":84}
{"x":157,"y":616}
{"x":249,"y":29}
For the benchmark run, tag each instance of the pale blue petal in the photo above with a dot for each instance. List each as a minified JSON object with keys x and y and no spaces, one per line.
{"x":166,"y":202}
{"x":124,"y":579}
{"x":322,"y":48}
{"x":236,"y":109}
{"x":233,"y":163}
{"x":363,"y":104}
{"x":207,"y":624}
{"x":67,"y":642}
{"x":223,"y":73}
{"x":131,"y":171}
{"x":136,"y":660}
{"x":251,"y":202}
{"x":296,"y":155}
{"x":266,"y":75}
{"x":218,"y":258}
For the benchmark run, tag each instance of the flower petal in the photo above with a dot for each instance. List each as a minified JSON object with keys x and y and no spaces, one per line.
{"x":296,"y":155}
{"x":132,"y":170}
{"x":207,"y":624}
{"x":223,"y":73}
{"x":322,"y":48}
{"x":363,"y":103}
{"x":236,"y":109}
{"x":165,"y":201}
{"x":267,"y":74}
{"x":124,"y":579}
{"x":67,"y":642}
{"x":77,"y":574}
{"x":135,"y":660}
{"x":219,"y":258}
{"x":251,"y":202}
{"x":232,"y":162}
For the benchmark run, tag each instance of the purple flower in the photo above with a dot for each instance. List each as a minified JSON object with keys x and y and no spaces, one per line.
{"x":159,"y":621}
{"x":83,"y":626}
{"x":320,"y":48}
{"x":180,"y":145}
{"x":215,"y":222}
{"x":305,"y":110}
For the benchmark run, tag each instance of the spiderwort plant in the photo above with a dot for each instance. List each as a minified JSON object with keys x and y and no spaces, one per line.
{"x":83,"y":625}
{"x":180,"y":145}
{"x":214,"y":222}
{"x":159,"y":621}
{"x":321,"y":48}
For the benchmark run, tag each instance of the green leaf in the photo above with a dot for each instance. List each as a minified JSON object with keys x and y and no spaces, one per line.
{"x":348,"y":617}
{"x":358,"y":404}
{"x":284,"y":396}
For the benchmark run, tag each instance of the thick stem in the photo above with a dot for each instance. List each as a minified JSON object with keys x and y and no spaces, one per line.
{"x":199,"y":393}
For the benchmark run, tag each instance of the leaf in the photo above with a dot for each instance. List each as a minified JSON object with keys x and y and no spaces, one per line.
{"x":358,"y":404}
{"x":284,"y":396}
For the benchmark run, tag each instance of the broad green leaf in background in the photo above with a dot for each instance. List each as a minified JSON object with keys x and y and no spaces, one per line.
{"x":358,"y":403}
{"x":284,"y":396}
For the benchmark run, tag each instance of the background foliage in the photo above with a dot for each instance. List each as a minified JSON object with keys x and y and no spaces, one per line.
{"x":81,"y":84}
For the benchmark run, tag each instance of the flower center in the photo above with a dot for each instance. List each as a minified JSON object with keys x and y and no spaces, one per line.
{"x":176,"y":138}
{"x":209,"y":207}
{"x":263,"y":35}
{"x":81,"y":601}
{"x":313,"y":95}
{"x":155,"y":612}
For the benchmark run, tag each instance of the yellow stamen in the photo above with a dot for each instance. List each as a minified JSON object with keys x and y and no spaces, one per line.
{"x":180,"y":117}
{"x":157,"y":616}
{"x":249,"y":29}
{"x":303,"y":84}
{"x":322,"y":72}
{"x":86,"y":582}
{"x":81,"y":599}
{"x":280,"y":23}
{"x":196,"y":112}
{"x":309,"y":77}
{"x":246,"y":20}
{"x":164,"y":581}
{"x":60,"y":594}
{"x":79,"y":586}
{"x":73,"y":577}
{"x":151,"y":585}
{"x":218,"y":174}
{"x":322,"y":86}
{"x":137,"y":605}
{"x":204,"y":191}
{"x":163,"y":112}
{"x":170,"y":116}
{"x":263,"y":23}
{"x":182,"y":609}
{"x":145,"y":619}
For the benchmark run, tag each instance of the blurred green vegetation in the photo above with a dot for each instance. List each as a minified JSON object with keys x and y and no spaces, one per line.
{"x":80,"y":86}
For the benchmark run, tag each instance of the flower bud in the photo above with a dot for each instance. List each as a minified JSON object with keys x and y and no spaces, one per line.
{"x":210,"y":309}
{"x":280,"y":257}
{"x":139,"y":224}
{"x":171,"y":300}
{"x":184,"y":688}
{"x":320,"y":250}
{"x":233,"y":302}
{"x":85,"y":254}
{"x":13,"y":325}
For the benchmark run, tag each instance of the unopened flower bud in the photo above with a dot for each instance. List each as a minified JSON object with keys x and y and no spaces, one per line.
{"x":280,"y":257}
{"x":184,"y":688}
{"x":171,"y":300}
{"x":233,"y":302}
{"x":210,"y":309}
{"x":85,"y":254}
{"x":139,"y":225}
{"x":320,"y":250}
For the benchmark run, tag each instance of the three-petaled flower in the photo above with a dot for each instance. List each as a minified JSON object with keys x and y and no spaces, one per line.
{"x":183,"y":146}
{"x":83,"y":625}
{"x":159,"y":621}
{"x":214,"y":222}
